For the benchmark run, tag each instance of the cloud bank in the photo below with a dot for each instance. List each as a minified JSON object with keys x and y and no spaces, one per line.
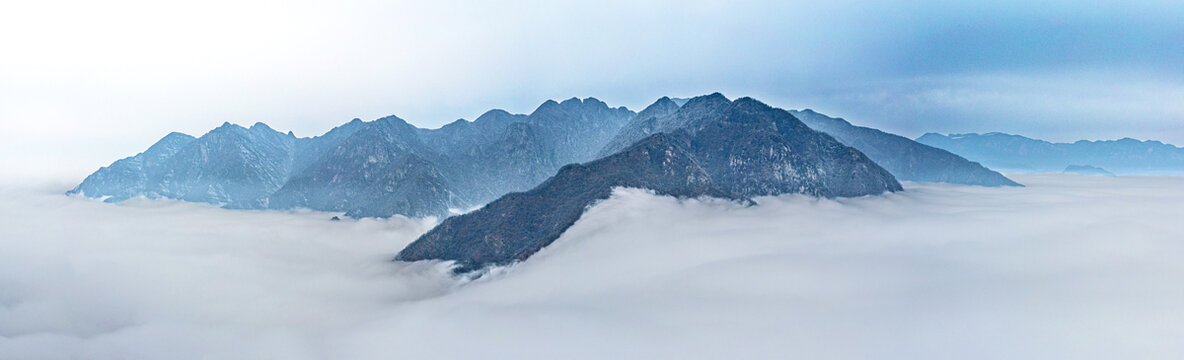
{"x":1067,"y":267}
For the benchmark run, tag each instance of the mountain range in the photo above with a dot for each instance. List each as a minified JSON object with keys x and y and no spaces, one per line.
{"x":387,"y":166}
{"x":1015,"y":153}
{"x":709,"y":146}
{"x":531,"y":175}
{"x":365,"y":169}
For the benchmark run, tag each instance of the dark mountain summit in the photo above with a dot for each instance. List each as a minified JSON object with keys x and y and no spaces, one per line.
{"x":1021,"y":154}
{"x":753,"y":149}
{"x":726,"y":149}
{"x":904,"y":158}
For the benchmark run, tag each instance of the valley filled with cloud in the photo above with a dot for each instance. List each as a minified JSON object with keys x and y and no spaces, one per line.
{"x":1067,"y":267}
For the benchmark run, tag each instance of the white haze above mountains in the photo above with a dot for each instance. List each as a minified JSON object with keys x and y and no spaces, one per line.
{"x":1067,"y":267}
{"x":84,"y":82}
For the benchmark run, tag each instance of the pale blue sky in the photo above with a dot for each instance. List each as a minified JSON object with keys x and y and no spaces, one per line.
{"x":83,"y":84}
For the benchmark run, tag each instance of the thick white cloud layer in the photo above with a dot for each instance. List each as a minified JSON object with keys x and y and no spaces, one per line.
{"x":1068,"y":267}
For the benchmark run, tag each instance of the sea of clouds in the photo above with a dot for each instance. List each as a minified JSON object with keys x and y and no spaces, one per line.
{"x":1067,"y":267}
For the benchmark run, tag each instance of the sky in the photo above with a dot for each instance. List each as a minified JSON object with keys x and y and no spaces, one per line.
{"x":1068,"y":267}
{"x":84,"y":83}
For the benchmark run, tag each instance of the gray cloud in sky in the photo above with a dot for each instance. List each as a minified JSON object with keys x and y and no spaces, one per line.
{"x":84,"y":84}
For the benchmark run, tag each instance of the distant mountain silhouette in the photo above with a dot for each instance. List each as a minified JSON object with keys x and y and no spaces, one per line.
{"x":906,"y":159}
{"x":1021,"y":154}
{"x":717,"y":148}
{"x":1086,"y":170}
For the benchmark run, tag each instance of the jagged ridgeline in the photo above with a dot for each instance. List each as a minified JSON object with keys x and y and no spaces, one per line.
{"x":387,"y":166}
{"x":365,"y":169}
{"x":709,"y":146}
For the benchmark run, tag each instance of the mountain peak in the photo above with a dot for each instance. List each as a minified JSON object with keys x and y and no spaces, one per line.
{"x":261,"y":126}
{"x":170,"y":142}
{"x":548,"y":105}
{"x":661,"y":108}
{"x":572,"y":102}
{"x":177,"y":135}
{"x":663,"y":105}
{"x":392,"y":120}
{"x":749,"y":102}
{"x":227,"y":127}
{"x":709,"y":100}
{"x":493,"y":114}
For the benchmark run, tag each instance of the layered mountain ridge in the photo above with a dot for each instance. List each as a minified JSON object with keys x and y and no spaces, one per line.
{"x":387,"y":166}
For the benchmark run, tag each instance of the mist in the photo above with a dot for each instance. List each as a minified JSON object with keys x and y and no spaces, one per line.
{"x":1067,"y":267}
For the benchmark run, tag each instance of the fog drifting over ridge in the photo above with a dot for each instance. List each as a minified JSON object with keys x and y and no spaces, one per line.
{"x":1067,"y":267}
